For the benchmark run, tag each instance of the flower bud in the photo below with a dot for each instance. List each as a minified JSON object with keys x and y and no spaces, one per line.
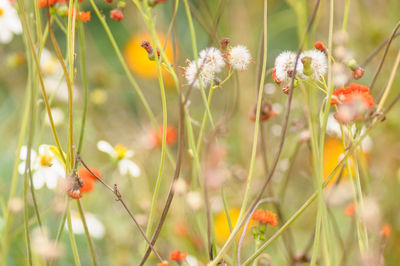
{"x":352,"y":64}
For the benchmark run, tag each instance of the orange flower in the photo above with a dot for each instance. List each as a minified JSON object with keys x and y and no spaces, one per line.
{"x":84,"y":16}
{"x":319,"y":46}
{"x":164,"y":263}
{"x":352,"y":93}
{"x":265,"y":217}
{"x":88,"y":179}
{"x":385,"y":230}
{"x":116,"y":14}
{"x":177,"y":256}
{"x":171,"y":138}
{"x":349,"y":210}
{"x":44,"y":3}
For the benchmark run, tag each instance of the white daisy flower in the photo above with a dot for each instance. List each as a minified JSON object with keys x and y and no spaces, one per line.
{"x":213,"y":57}
{"x":284,"y":66}
{"x":121,"y":154}
{"x":9,"y":22}
{"x":319,"y":64}
{"x":239,"y":57}
{"x":45,"y":167}
{"x":203,"y":70}
{"x":95,"y":227}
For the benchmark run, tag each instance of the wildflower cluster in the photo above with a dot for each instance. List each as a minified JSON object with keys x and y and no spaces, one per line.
{"x":311,"y":64}
{"x":60,"y":8}
{"x":352,"y":102}
{"x":264,"y":218}
{"x":203,"y":71}
{"x":177,"y":256}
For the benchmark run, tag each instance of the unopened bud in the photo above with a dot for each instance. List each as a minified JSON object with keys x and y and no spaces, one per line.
{"x":352,"y":64}
{"x":307,"y":69}
{"x":224,"y":43}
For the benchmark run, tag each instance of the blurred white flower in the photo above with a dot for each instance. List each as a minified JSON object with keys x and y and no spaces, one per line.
{"x":213,"y":58}
{"x":202,"y":71}
{"x":9,"y":22}
{"x":284,"y":66}
{"x":239,"y":57}
{"x":45,"y":247}
{"x":121,"y":155}
{"x":194,"y":200}
{"x":192,"y":261}
{"x":318,"y":62}
{"x":56,"y":84}
{"x":45,"y":167}
{"x":95,"y":227}
{"x":49,"y":64}
{"x":58,"y":116}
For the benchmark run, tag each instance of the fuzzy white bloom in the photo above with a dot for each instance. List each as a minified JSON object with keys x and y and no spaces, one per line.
{"x":45,"y":167}
{"x":239,"y":57}
{"x":201,"y":71}
{"x":49,"y":63}
{"x":9,"y":22}
{"x":319,"y":64}
{"x":284,"y":66}
{"x":213,"y":58}
{"x":121,"y":154}
{"x":57,"y":114}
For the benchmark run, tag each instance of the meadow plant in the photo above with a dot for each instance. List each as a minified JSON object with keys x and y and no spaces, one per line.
{"x":202,"y":170}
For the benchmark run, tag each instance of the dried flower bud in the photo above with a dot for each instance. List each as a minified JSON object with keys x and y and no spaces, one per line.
{"x":358,"y":72}
{"x":109,"y":1}
{"x":149,"y":49}
{"x":224,"y":43}
{"x":286,"y":89}
{"x":266,"y":112}
{"x":74,"y":186}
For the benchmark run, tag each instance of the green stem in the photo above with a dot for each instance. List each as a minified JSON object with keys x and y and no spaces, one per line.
{"x":82,"y":47}
{"x":164,"y":133}
{"x":87,"y":233}
{"x":131,"y":79}
{"x":72,"y":238}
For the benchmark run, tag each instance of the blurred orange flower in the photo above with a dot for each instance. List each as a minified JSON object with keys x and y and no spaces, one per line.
{"x":350,"y":209}
{"x":265,"y":217}
{"x":156,"y":140}
{"x":88,"y":178}
{"x":138,"y":61}
{"x":178,"y":256}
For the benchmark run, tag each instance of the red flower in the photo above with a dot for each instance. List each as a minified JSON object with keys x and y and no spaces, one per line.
{"x":84,"y":16}
{"x":266,"y":217}
{"x":44,"y":3}
{"x":177,"y":256}
{"x":171,"y":138}
{"x":319,"y":46}
{"x":350,"y":209}
{"x":352,"y":93}
{"x":116,"y":14}
{"x":88,"y":179}
{"x":385,"y":230}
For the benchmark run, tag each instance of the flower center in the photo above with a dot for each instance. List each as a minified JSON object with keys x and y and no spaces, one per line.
{"x":121,"y":151}
{"x":1,"y":11}
{"x":46,"y":160}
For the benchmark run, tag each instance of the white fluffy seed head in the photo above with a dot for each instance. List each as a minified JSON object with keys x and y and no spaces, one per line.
{"x":239,"y":57}
{"x":213,"y":58}
{"x":284,"y":66}
{"x":200,"y":71}
{"x":318,"y":62}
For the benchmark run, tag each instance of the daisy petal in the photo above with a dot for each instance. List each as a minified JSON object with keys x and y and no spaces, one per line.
{"x":127,"y":166}
{"x":106,"y":147}
{"x":38,"y":179}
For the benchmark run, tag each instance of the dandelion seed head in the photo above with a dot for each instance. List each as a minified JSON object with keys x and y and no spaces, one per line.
{"x":284,"y":65}
{"x":213,"y":58}
{"x":318,"y":62}
{"x":200,"y":71}
{"x":239,"y":57}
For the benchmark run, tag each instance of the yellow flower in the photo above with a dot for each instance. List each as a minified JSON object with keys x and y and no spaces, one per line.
{"x":333,"y":152}
{"x":140,"y":64}
{"x":221,"y":225}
